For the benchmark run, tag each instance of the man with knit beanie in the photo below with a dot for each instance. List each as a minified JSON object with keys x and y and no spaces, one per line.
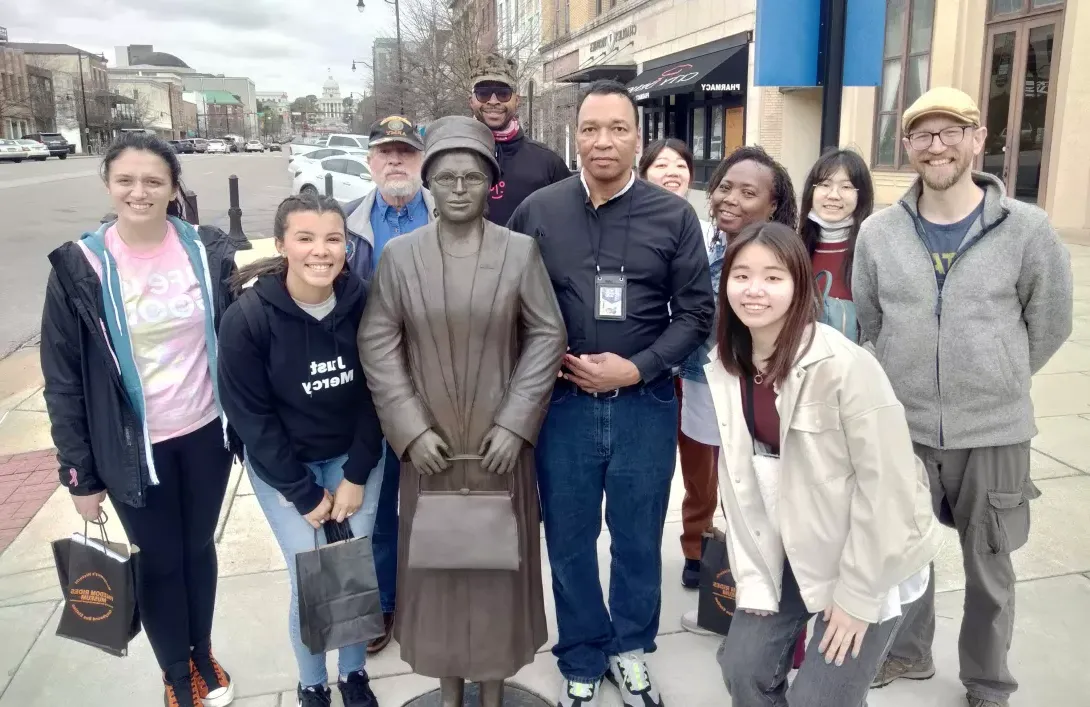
{"x":526,"y":165}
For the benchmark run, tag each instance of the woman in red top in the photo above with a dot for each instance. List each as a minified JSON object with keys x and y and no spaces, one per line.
{"x":837,"y":197}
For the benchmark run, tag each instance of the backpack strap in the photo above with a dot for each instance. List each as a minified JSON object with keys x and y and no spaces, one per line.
{"x":256,"y":319}
{"x":828,"y":282}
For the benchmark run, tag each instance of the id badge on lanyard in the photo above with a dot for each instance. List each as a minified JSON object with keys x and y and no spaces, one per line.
{"x":611,"y":296}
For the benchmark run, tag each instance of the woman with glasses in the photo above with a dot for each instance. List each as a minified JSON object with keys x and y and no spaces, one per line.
{"x":837,"y":197}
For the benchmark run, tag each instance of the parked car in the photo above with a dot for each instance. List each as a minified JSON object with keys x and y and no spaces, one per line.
{"x":199,"y":144}
{"x":272,"y":146}
{"x":351,"y":178}
{"x":296,"y":162}
{"x":12,"y":151}
{"x":301,"y":146}
{"x":217,"y":146}
{"x":37,"y":150}
{"x":254,"y":146}
{"x":184,"y":147}
{"x":57,"y":144}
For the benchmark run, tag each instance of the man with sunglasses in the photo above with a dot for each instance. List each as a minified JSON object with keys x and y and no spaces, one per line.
{"x":960,"y":326}
{"x":526,"y":164}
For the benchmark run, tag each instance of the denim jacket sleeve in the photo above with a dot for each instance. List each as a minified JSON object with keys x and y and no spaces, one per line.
{"x":692,"y":368}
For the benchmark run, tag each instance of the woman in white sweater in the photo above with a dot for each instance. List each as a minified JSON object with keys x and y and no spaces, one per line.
{"x":828,"y":510}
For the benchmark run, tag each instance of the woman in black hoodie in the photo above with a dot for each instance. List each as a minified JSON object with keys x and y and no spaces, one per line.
{"x":294,"y":390}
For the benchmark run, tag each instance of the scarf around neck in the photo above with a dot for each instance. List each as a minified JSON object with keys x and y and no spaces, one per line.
{"x":833,"y":232}
{"x":508,"y":133}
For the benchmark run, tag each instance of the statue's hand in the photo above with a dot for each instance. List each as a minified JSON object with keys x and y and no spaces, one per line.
{"x":500,"y":449}
{"x":428,"y":453}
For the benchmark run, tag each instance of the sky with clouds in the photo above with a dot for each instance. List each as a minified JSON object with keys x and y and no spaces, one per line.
{"x":277,"y":43}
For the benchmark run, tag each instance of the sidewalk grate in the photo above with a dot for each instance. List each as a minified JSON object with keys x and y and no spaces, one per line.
{"x":512,"y":697}
{"x":26,"y":483}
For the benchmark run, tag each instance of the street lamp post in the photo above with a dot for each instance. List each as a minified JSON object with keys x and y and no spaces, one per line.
{"x":83,"y":98}
{"x":400,"y":64}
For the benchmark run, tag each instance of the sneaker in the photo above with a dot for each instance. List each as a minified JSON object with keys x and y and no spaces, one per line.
{"x":315,"y":696}
{"x":896,"y":668}
{"x":578,"y":694}
{"x":211,"y":682}
{"x":382,"y":641}
{"x":356,"y":690}
{"x":690,"y":575}
{"x":629,"y":674}
{"x":981,"y":702}
{"x":181,"y":692}
{"x":688,"y":622}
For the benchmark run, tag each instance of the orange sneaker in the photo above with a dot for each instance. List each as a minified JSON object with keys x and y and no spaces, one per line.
{"x":181,"y":692}
{"x":211,"y":683}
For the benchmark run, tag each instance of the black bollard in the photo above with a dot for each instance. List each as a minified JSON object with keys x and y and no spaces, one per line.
{"x":234,"y":213}
{"x":191,"y":213}
{"x":328,"y":184}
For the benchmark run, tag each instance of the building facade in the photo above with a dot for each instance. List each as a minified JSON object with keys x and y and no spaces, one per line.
{"x":152,"y":105}
{"x":16,"y":117}
{"x":331,"y":105}
{"x":82,"y":100}
{"x":689,"y":65}
{"x":43,"y":107}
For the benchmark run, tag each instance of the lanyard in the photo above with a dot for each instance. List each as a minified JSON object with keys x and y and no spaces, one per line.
{"x":749,"y":412}
{"x":627,"y":236}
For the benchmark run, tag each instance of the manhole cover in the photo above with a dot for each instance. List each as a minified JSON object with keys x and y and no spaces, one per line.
{"x":512,"y":697}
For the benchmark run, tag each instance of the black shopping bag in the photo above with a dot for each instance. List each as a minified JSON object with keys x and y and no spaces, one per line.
{"x":338,"y":591}
{"x":716,"y":604}
{"x":98,"y":579}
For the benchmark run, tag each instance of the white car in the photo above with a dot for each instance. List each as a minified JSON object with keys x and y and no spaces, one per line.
{"x":254,"y":146}
{"x":217,"y":146}
{"x":297,"y":162}
{"x":12,"y":151}
{"x":351,"y":178}
{"x":38,"y":150}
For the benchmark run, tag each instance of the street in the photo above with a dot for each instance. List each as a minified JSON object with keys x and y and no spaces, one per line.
{"x":47,"y":203}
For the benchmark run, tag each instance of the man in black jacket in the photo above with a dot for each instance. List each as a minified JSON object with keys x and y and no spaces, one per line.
{"x":630,"y":272}
{"x":526,"y":164}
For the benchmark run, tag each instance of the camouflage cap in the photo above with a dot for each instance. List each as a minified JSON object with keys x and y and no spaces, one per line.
{"x":495,"y":67}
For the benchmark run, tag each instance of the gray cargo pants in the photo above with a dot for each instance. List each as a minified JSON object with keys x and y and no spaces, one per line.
{"x":984,"y":493}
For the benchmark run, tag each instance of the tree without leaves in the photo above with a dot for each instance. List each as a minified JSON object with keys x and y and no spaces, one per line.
{"x":15,"y":102}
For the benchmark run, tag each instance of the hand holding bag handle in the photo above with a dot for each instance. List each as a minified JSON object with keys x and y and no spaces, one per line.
{"x":464,"y":529}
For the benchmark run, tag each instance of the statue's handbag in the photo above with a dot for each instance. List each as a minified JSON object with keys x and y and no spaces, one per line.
{"x":464,"y":529}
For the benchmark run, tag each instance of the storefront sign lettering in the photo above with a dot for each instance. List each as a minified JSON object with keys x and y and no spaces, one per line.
{"x":612,"y":38}
{"x":720,"y":87}
{"x":672,"y":76}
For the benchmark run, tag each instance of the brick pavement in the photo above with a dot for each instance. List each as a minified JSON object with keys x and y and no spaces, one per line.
{"x":26,"y":482}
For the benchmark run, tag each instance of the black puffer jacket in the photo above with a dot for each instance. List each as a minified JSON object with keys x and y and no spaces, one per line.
{"x":98,"y":435}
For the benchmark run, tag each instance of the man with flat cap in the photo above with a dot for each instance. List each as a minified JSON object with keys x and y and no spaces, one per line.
{"x":461,"y":341}
{"x":525,"y":165}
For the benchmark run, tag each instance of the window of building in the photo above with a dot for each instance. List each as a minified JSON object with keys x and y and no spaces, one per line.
{"x":1003,"y":9}
{"x":699,"y":131}
{"x":906,"y":73}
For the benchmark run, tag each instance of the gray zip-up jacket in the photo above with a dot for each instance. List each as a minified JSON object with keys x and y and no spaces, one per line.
{"x":960,"y":360}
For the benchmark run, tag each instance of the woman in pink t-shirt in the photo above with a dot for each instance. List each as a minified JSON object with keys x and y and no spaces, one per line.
{"x":129,"y":359}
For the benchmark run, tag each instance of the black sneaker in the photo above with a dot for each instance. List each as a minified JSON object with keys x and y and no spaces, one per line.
{"x":356,"y":691}
{"x":690,"y":575}
{"x":316,"y":696}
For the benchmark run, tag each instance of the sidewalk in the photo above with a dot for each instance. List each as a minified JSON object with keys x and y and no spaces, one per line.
{"x":37,"y":669}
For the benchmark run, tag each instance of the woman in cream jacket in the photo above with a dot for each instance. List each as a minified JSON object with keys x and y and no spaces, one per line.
{"x":828,"y":510}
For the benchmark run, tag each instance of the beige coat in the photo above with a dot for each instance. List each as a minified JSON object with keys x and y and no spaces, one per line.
{"x":479,"y":625}
{"x":855,"y":510}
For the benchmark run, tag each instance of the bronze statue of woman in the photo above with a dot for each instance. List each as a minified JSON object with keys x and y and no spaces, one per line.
{"x":461,"y":341}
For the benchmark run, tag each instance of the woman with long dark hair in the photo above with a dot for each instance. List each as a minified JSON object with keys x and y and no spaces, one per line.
{"x":828,"y":509}
{"x":837,"y":197}
{"x":747,"y":187}
{"x":294,"y":388}
{"x":129,"y":347}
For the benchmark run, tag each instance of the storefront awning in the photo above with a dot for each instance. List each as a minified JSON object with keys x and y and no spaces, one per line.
{"x":590,"y":74}
{"x":725,"y":70}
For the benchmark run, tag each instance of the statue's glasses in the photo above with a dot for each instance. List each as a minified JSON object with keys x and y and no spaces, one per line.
{"x":449,"y":179}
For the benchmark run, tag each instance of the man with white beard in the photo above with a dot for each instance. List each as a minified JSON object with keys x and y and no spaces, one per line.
{"x":398,"y":204}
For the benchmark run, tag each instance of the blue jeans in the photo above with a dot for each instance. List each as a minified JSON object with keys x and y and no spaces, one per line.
{"x":295,"y":535}
{"x":623,"y":448}
{"x":384,"y":539}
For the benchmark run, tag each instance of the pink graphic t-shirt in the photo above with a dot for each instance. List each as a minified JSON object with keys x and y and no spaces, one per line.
{"x":165,"y":312}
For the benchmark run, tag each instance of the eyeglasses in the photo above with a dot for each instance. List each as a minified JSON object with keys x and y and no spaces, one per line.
{"x":484,"y":93}
{"x":948,"y":136}
{"x":449,"y":179}
{"x":826,"y":188}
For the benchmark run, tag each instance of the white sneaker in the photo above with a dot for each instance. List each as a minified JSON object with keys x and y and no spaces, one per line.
{"x":688,"y":622}
{"x":629,"y":673}
{"x":578,"y":694}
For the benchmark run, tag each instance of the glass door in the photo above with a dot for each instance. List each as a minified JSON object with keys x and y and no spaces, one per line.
{"x":1017,"y":105}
